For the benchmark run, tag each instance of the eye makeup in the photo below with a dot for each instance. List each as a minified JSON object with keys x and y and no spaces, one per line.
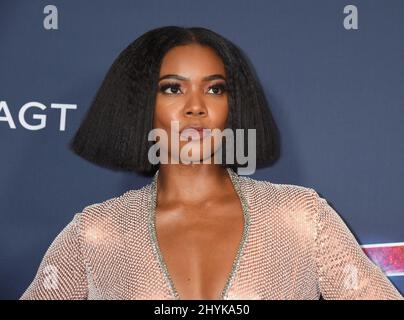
{"x":177,"y":86}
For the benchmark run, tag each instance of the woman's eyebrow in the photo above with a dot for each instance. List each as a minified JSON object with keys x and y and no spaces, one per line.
{"x":178,"y":77}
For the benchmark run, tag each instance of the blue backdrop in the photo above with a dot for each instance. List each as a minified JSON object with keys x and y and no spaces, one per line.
{"x":336,"y":94}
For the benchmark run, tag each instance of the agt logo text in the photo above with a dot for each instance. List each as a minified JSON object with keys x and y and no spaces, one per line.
{"x":38,"y":120}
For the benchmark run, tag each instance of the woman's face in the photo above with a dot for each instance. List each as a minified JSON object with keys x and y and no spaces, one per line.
{"x":192,"y":91}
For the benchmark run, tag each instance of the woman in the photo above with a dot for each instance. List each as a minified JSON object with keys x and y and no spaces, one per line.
{"x":198,"y":230}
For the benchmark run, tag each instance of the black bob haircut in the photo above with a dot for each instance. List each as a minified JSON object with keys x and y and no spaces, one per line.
{"x":114,"y":131}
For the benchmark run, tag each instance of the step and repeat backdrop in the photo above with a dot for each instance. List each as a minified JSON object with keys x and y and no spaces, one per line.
{"x":332,"y":71}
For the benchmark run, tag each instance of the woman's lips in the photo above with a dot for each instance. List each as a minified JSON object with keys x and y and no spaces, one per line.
{"x":195,"y":133}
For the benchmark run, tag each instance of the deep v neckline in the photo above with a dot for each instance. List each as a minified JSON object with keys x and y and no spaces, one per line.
{"x":156,"y":248}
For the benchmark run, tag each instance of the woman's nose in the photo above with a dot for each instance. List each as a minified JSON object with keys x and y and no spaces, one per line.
{"x":195,"y":107}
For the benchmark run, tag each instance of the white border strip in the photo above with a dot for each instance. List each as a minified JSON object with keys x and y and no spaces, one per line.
{"x":376,"y":245}
{"x":392,"y":274}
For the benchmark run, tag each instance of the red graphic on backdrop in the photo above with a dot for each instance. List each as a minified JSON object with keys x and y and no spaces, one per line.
{"x":388,"y":256}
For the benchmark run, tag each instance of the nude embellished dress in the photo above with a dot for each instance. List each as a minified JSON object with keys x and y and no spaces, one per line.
{"x":294,"y":246}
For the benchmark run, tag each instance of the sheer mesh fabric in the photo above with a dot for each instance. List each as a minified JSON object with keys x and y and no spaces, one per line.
{"x":295,"y":247}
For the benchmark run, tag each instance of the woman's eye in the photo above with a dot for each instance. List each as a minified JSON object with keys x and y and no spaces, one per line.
{"x":175,"y":88}
{"x":217,"y":89}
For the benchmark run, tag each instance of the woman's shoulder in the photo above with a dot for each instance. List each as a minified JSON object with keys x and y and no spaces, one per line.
{"x":122,"y":207}
{"x":291,"y":200}
{"x":286,"y":191}
{"x":121,"y":199}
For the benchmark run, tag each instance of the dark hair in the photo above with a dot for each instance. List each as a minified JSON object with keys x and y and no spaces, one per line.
{"x":114,"y":131}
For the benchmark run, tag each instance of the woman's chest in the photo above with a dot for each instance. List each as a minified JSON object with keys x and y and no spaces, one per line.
{"x":199,"y":247}
{"x":204,"y":258}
